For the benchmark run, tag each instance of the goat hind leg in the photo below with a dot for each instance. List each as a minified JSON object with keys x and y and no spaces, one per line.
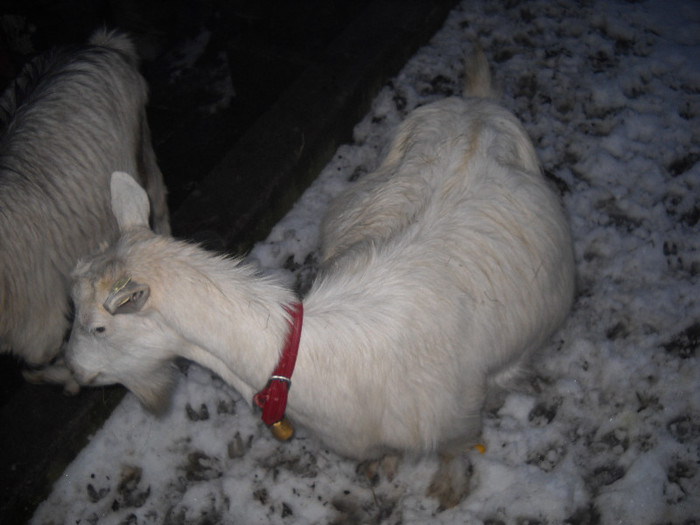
{"x":451,"y":481}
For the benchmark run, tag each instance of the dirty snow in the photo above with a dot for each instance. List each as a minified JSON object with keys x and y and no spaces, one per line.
{"x":610,"y":93}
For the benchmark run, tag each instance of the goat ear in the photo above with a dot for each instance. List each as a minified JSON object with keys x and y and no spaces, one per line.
{"x":129,"y":202}
{"x":126,"y":297}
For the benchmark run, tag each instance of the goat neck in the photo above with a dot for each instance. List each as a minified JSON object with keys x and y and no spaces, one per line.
{"x":228,"y":318}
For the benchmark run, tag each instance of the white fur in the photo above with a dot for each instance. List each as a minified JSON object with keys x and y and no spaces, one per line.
{"x":69,"y":120}
{"x":443,"y":271}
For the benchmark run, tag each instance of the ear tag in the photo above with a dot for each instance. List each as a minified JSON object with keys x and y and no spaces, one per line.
{"x":282,"y":430}
{"x":120,"y":284}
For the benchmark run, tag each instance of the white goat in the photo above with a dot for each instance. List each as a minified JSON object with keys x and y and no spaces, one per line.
{"x":444,"y":270}
{"x":68,"y":121}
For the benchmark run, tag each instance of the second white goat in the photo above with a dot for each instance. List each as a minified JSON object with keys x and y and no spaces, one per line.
{"x":71,"y":118}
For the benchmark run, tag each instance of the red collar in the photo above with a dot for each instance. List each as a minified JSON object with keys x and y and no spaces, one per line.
{"x":273,"y":398}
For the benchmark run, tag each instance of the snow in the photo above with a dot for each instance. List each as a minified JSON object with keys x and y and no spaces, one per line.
{"x":610,"y":93}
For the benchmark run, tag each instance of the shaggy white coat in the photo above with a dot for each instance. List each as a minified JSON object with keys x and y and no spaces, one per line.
{"x":68,"y":121}
{"x":443,"y":271}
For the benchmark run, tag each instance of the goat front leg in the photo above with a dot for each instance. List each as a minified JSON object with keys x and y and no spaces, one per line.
{"x":388,"y":465}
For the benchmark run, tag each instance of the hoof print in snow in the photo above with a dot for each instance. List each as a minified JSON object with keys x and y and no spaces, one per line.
{"x":95,"y":495}
{"x":286,"y":510}
{"x":302,"y":465}
{"x":237,"y":448}
{"x":604,"y":475}
{"x":197,"y":415}
{"x":618,"y":331}
{"x":129,"y":494}
{"x":543,"y":414}
{"x":681,"y":482}
{"x":261,"y":496}
{"x":201,"y":467}
{"x":616,"y":441}
{"x":602,"y":61}
{"x":226,"y":407}
{"x":684,"y":429}
{"x":617,"y":217}
{"x":680,"y":166}
{"x":680,"y":471}
{"x":549,"y":457}
{"x":648,"y":401}
{"x":375,"y":509}
{"x":685,"y":344}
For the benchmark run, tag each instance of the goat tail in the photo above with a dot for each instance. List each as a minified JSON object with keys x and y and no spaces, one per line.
{"x":477,"y":81}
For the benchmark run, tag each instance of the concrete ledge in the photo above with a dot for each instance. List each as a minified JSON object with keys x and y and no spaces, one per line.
{"x":276,"y":159}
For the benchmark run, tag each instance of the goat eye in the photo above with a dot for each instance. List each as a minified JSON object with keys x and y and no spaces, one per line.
{"x":100,"y":329}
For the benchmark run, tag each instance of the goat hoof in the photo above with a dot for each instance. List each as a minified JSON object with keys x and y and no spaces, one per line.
{"x":447,"y":495}
{"x":370,"y":469}
{"x":450,"y":484}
